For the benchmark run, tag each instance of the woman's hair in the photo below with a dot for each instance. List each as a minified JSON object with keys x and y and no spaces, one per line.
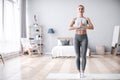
{"x":81,"y":6}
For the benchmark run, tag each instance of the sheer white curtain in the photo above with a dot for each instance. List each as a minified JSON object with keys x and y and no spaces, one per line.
{"x":11,"y":30}
{"x":1,"y":27}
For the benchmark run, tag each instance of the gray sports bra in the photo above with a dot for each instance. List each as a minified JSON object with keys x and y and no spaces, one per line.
{"x":77,"y":22}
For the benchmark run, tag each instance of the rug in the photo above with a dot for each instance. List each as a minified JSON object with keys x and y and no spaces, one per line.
{"x":86,"y":76}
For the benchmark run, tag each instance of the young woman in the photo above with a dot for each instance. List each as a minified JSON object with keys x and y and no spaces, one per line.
{"x":80,"y":24}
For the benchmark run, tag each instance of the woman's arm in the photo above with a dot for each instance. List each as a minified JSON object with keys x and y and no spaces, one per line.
{"x":71,"y":27}
{"x":90,"y":25}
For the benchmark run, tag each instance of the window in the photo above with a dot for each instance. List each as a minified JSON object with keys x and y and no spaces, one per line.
{"x":1,"y":27}
{"x":11,"y":30}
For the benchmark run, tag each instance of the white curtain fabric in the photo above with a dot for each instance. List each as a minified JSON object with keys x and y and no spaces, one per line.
{"x":1,"y":27}
{"x":10,"y":38}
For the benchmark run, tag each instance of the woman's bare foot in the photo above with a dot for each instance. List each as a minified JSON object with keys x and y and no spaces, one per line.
{"x":79,"y":73}
{"x":82,"y":74}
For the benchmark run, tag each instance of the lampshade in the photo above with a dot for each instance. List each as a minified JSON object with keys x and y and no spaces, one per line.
{"x":51,"y":31}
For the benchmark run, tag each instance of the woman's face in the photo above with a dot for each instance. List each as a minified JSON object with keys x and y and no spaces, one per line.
{"x":81,"y":9}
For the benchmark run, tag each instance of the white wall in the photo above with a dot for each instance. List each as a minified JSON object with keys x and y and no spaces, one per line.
{"x":57,"y":14}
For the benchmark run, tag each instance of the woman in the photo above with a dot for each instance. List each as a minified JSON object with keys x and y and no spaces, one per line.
{"x":80,"y":24}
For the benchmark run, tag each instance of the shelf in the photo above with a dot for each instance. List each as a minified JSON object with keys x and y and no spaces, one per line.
{"x":36,"y":36}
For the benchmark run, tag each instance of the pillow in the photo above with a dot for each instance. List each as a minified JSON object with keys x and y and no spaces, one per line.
{"x":65,"y":42}
{"x":59,"y":43}
{"x":70,"y":42}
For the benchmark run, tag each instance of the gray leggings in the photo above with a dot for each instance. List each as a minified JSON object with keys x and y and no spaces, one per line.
{"x":81,"y":41}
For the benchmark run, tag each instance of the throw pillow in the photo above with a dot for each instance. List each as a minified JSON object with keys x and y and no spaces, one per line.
{"x":65,"y":42}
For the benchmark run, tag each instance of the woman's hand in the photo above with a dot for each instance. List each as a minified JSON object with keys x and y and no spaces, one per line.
{"x":71,"y":27}
{"x":81,"y":25}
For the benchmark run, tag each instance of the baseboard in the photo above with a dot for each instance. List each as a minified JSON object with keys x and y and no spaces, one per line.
{"x":94,"y":53}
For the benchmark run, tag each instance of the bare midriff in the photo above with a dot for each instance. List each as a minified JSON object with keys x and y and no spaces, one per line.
{"x":81,"y":31}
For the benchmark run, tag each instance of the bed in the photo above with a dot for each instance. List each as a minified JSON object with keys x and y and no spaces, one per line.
{"x":65,"y":50}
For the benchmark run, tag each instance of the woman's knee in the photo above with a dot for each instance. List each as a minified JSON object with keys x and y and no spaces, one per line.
{"x":77,"y":57}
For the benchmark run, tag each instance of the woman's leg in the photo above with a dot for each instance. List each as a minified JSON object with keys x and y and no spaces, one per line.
{"x":84,"y":45}
{"x":77,"y":50}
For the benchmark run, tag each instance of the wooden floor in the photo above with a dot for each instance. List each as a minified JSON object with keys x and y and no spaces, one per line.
{"x":38,"y":68}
